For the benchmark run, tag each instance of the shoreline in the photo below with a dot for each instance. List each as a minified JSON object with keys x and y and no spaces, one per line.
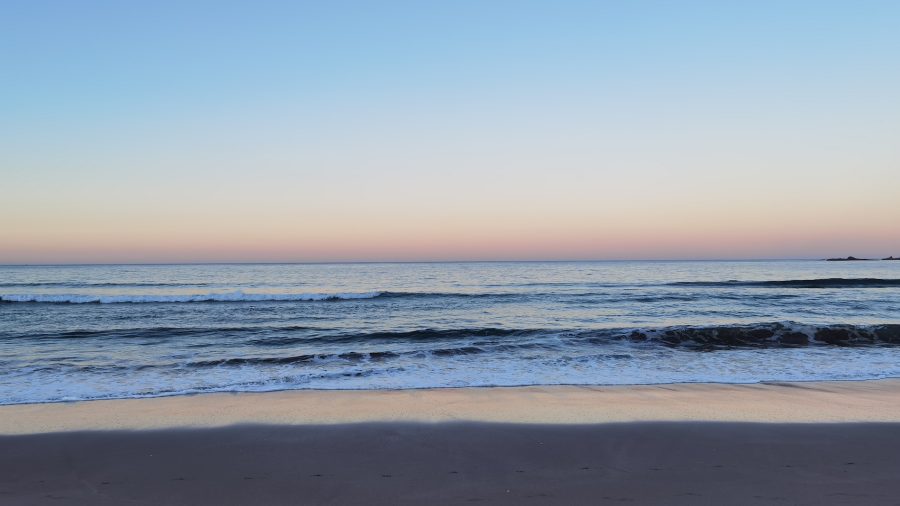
{"x":811,"y":443}
{"x":781,"y":402}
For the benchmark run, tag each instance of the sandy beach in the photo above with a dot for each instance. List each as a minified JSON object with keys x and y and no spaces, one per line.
{"x":811,"y":402}
{"x":672,"y":463}
{"x":802,"y":443}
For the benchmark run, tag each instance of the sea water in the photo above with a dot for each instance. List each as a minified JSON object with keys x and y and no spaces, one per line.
{"x":118,"y":331}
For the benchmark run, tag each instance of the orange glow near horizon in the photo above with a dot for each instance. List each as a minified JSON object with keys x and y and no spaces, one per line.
{"x":430,"y":238}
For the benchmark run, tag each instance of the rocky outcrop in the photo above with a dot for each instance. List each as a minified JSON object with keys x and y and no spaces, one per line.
{"x":891,"y":258}
{"x":848,"y":259}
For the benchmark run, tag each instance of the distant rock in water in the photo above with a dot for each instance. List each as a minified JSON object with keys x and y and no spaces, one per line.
{"x":891,"y":258}
{"x":848,"y":259}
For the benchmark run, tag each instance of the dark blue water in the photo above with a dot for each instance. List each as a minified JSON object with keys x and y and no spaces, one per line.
{"x":84,"y":332}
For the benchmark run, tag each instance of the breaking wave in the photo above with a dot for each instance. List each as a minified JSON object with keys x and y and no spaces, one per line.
{"x":473,"y":340}
{"x":801,"y":283}
{"x":55,"y":284}
{"x":237,"y":296}
{"x":770,"y":335}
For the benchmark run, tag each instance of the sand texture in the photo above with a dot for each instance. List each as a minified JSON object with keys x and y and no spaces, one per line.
{"x":665,"y":463}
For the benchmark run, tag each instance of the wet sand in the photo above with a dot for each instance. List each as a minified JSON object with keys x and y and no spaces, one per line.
{"x":683,"y":463}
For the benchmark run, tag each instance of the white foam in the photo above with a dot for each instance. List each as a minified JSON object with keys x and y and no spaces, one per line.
{"x":237,"y":296}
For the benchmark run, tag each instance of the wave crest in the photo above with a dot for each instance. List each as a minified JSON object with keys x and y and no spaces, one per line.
{"x":801,"y":283}
{"x":769,"y":335}
{"x":237,"y":296}
{"x":700,"y":337}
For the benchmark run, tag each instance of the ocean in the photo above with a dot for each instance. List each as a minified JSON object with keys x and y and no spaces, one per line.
{"x":123,"y":331}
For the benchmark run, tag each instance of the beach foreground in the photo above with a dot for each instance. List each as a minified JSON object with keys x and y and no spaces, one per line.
{"x":810,"y":443}
{"x":668,"y":463}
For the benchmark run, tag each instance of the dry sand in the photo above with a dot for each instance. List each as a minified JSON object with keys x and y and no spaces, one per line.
{"x":833,"y":402}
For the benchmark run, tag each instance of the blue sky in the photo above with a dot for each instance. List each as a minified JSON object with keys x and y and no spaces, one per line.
{"x":141,"y":131}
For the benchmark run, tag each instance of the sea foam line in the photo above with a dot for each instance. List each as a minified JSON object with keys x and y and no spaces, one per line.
{"x":236,"y":296}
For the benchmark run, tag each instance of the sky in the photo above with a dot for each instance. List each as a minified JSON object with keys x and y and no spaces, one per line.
{"x":270,"y":131}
